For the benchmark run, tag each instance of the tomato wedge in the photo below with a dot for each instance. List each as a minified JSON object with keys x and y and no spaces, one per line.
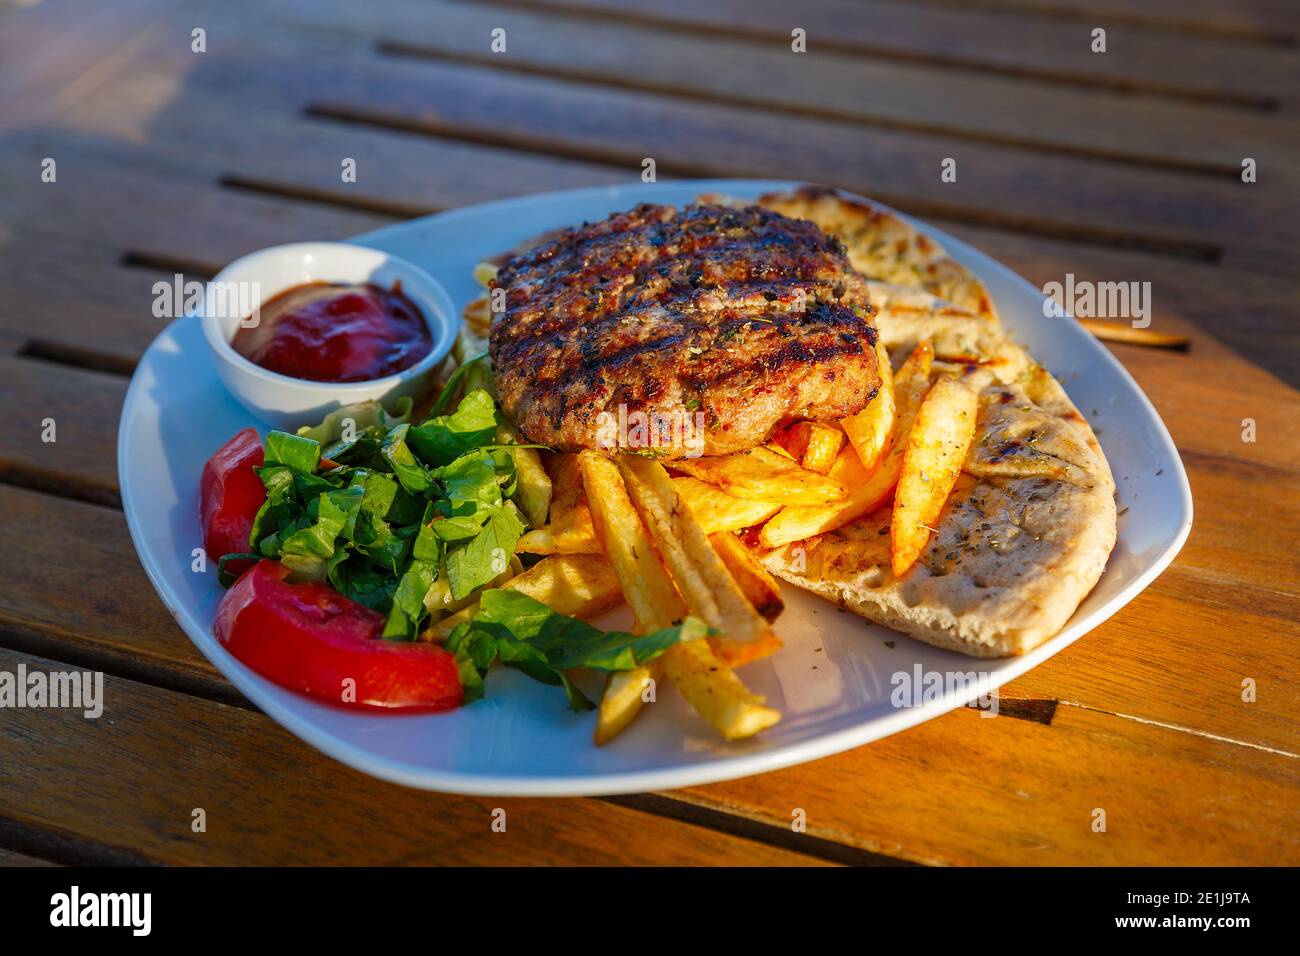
{"x":312,"y":639}
{"x":229,"y":495}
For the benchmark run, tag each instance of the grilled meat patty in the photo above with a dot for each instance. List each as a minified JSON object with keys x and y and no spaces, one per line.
{"x":706,"y":329}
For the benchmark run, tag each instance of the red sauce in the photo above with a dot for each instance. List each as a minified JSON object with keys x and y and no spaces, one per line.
{"x":326,"y":332}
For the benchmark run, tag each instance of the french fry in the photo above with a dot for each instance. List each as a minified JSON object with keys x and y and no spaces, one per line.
{"x":758,"y":584}
{"x":485,"y":272}
{"x":811,"y":445}
{"x":468,"y":344}
{"x":763,"y":475}
{"x":578,"y":585}
{"x":543,"y":541}
{"x":534,"y":488}
{"x":649,"y":591}
{"x":792,"y":440}
{"x":716,"y":693}
{"x":478,"y":316}
{"x":869,"y":490}
{"x":872,"y":429}
{"x":706,"y":682}
{"x":913,"y":377}
{"x":796,"y":522}
{"x":438,"y":600}
{"x":936,"y":448}
{"x":571,"y":526}
{"x":707,"y":587}
{"x":716,"y":510}
{"x":824,"y":443}
{"x":651,"y":595}
{"x":625,"y":692}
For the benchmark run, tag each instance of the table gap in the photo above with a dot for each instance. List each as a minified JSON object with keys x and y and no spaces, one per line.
{"x":395,"y":210}
{"x":1183,"y":249}
{"x":64,"y":849}
{"x":738,"y":31}
{"x":749,"y":829}
{"x":59,"y":485}
{"x":66,"y":649}
{"x":415,"y":51}
{"x":1129,"y":16}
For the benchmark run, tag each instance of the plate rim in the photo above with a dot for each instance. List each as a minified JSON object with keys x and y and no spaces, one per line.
{"x":724,"y":766}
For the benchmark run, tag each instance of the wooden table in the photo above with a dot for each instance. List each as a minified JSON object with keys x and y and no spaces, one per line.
{"x":1115,"y":166}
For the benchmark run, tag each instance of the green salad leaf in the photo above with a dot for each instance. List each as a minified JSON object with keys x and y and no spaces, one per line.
{"x":526,"y":634}
{"x":455,"y":382}
{"x":300,"y":454}
{"x":417,"y":519}
{"x":362,"y":415}
{"x":443,"y":439}
{"x":487,"y":554}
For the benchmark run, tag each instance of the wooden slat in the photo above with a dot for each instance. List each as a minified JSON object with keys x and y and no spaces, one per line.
{"x":1181,"y":214}
{"x":113,"y":194}
{"x":1006,"y":41}
{"x":77,"y":300}
{"x":873,"y":797}
{"x":9,"y":858}
{"x":1180,"y":661}
{"x":1260,"y":20}
{"x":67,"y":564}
{"x":84,"y":408}
{"x":769,"y":76}
{"x":965,"y":789}
{"x":78,"y":46}
{"x":268,"y":799}
{"x":1071,"y":197}
{"x":404,"y":174}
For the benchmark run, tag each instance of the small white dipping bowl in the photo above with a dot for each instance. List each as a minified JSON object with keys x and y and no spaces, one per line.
{"x":286,"y":402}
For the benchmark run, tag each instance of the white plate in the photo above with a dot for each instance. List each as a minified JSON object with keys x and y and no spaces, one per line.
{"x":833,"y":680}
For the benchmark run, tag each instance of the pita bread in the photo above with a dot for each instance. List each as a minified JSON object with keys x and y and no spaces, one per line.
{"x":1023,"y":538}
{"x":884,"y":247}
{"x":1026,"y":533}
{"x":905,"y":316}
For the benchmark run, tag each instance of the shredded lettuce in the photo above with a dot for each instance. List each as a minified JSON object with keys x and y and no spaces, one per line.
{"x":443,"y":439}
{"x":526,"y":634}
{"x":362,"y":415}
{"x":391,"y":512}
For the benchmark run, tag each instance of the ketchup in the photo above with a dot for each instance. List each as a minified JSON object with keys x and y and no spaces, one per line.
{"x":327,"y":332}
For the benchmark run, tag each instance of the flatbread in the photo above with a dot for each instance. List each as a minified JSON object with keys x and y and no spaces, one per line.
{"x":884,"y":247}
{"x":1026,"y":533}
{"x":905,"y":316}
{"x":1021,"y":541}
